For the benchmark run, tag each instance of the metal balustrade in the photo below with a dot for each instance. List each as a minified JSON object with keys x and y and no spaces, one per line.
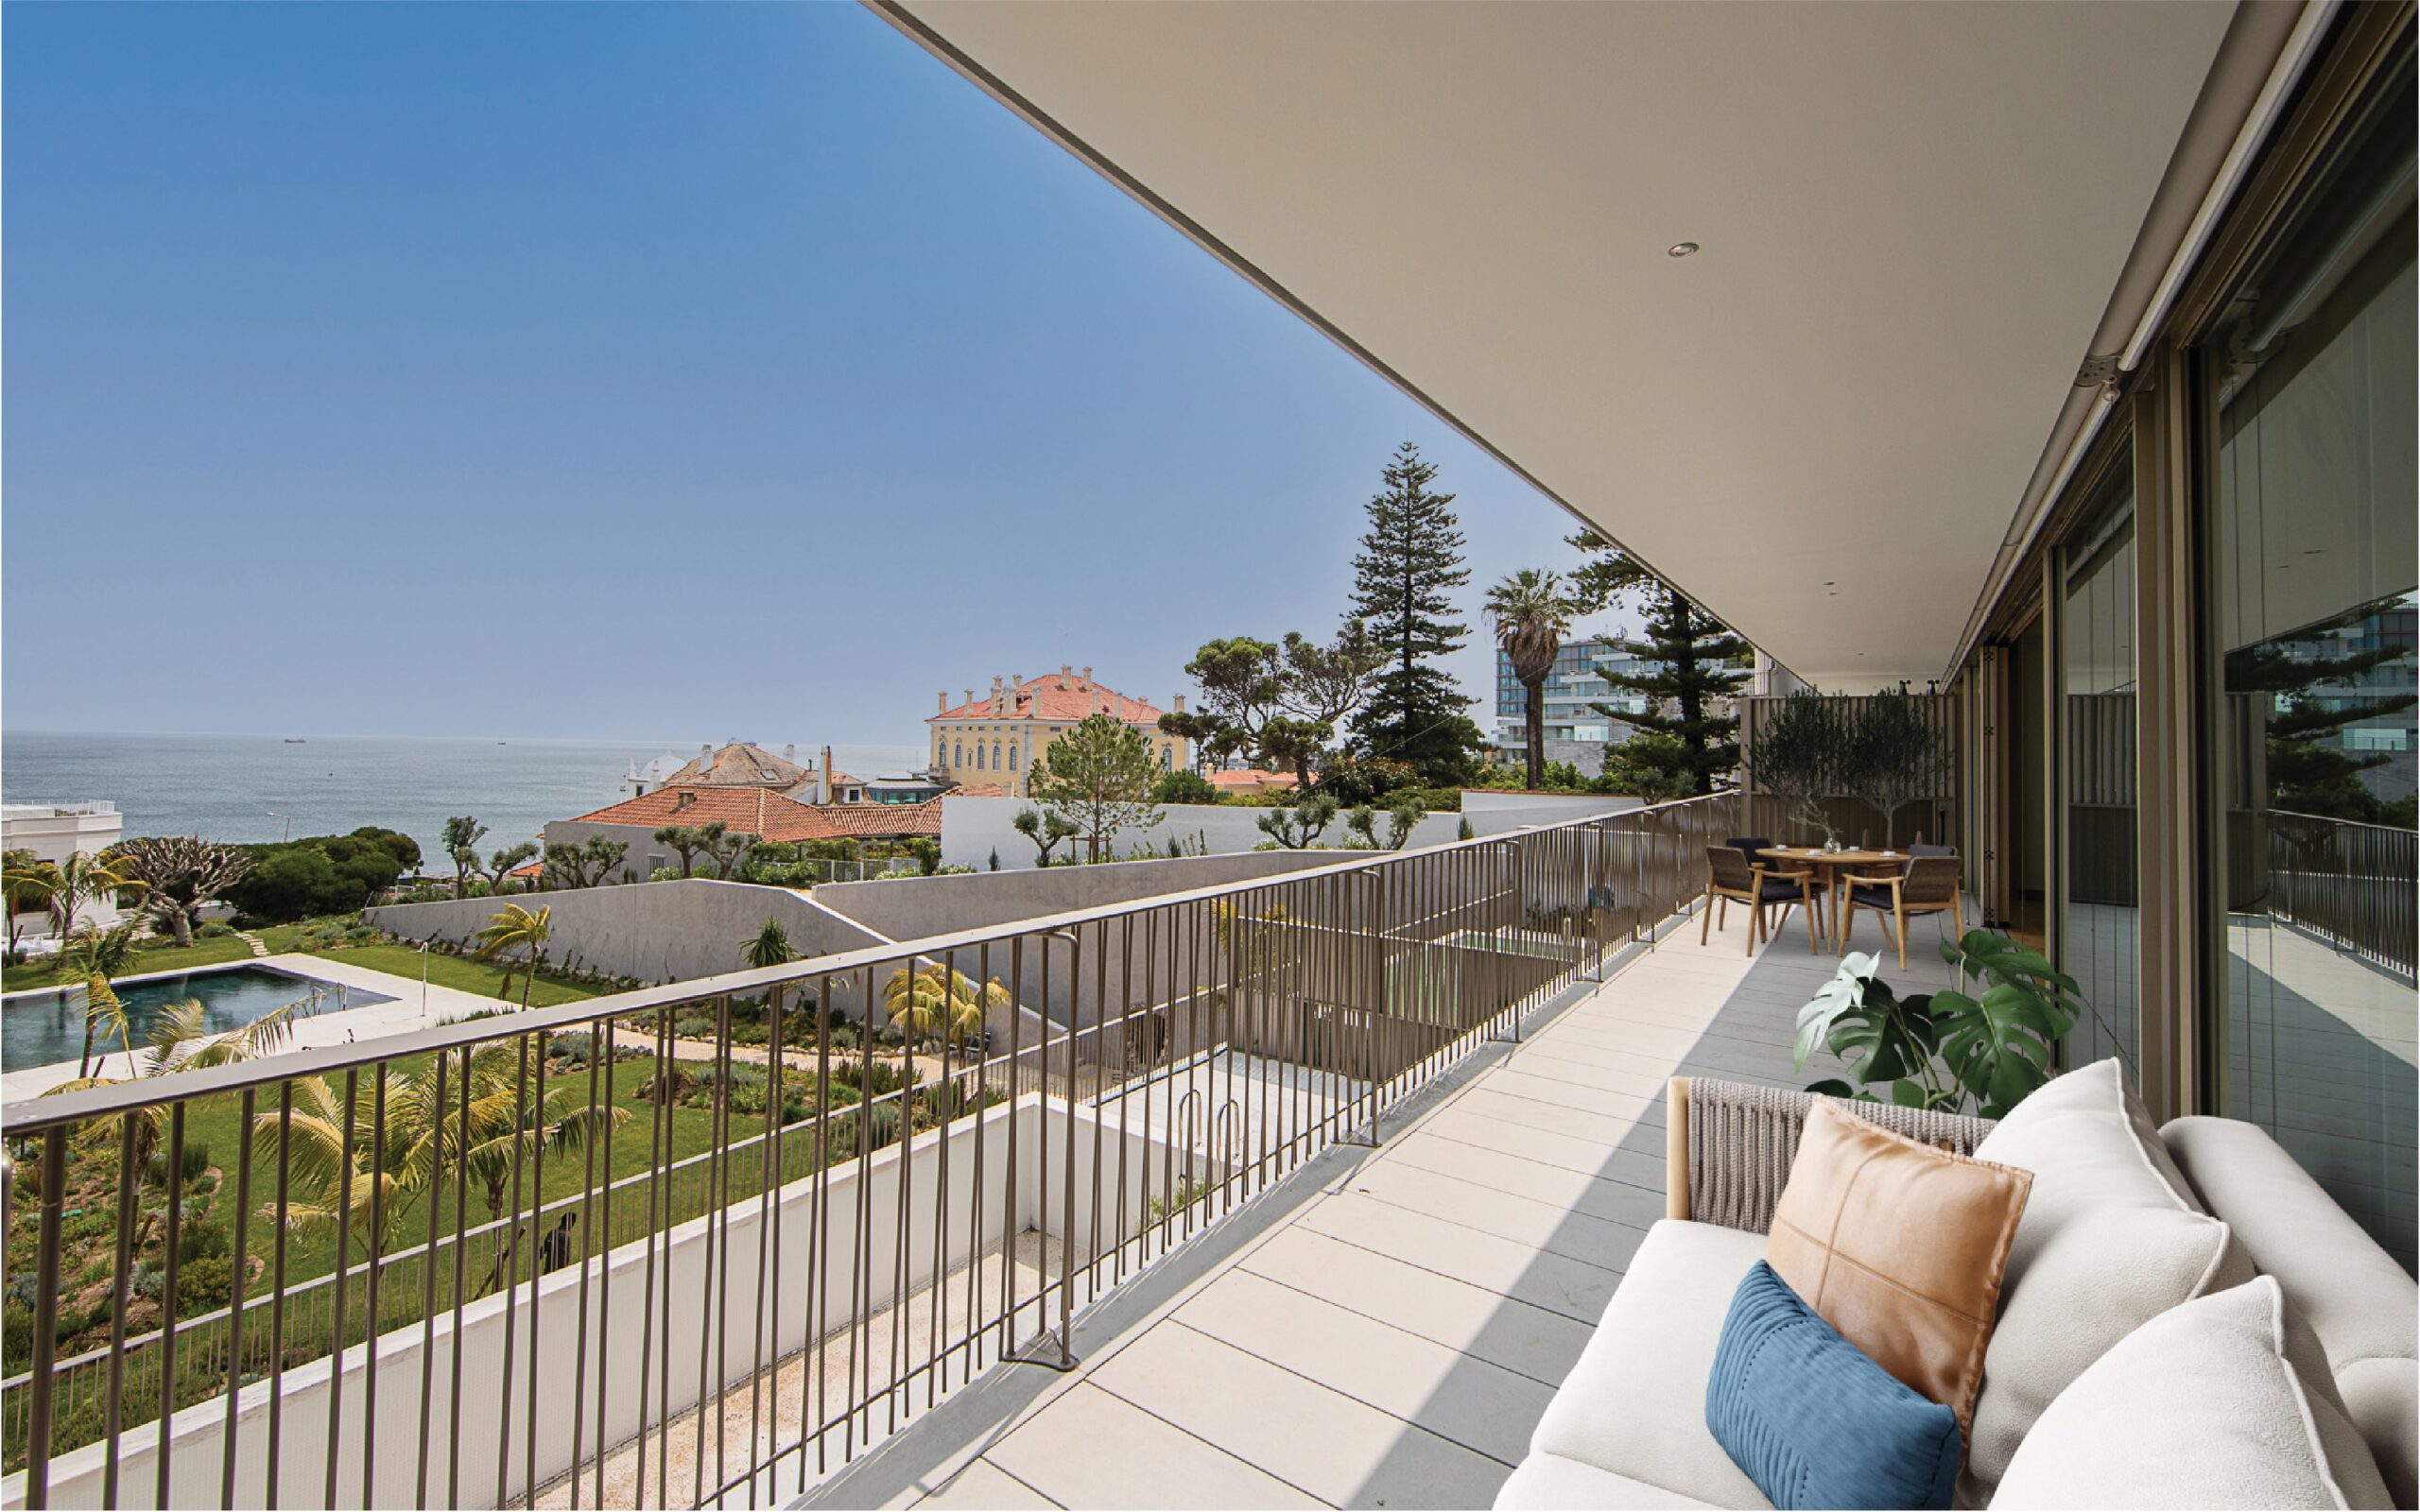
{"x":606,"y":1253}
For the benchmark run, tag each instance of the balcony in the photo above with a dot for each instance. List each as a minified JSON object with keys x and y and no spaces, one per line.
{"x":541,"y":1259}
{"x":1386,"y":1327}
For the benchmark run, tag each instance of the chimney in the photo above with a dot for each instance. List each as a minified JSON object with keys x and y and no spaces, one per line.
{"x":790,"y":752}
{"x":1180,"y":703}
{"x":1063,"y":670}
{"x":970,"y":697}
{"x":823,"y":782}
{"x":999,"y":698}
{"x":1088,"y":677}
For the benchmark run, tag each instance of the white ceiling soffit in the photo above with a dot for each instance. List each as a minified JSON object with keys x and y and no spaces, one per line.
{"x":1912,"y":219}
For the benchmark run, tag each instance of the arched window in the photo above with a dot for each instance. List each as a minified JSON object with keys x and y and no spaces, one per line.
{"x":979,"y":755}
{"x":1167,"y":758}
{"x":995,"y":757}
{"x":1012,"y":756}
{"x":960,"y":760}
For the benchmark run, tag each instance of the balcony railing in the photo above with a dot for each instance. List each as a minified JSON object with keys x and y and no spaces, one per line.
{"x":2349,"y":884}
{"x":708,"y":1242}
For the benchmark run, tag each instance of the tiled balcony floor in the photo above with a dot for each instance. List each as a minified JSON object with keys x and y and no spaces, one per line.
{"x":1387,"y":1331}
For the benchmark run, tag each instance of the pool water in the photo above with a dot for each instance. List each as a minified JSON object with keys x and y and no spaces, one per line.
{"x":45,"y":1028}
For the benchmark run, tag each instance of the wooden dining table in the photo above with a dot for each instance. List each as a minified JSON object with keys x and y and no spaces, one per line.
{"x":1830,"y":864}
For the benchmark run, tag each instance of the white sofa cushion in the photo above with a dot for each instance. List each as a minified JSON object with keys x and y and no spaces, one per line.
{"x":2112,"y":1237}
{"x":1546,"y":1481}
{"x":2364,"y":1308}
{"x":1634,"y":1405}
{"x":2199,"y":1407}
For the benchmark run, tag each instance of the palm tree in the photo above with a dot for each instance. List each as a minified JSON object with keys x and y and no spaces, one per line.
{"x":180,"y":1041}
{"x":517,"y":928}
{"x":96,"y":955}
{"x":1531,"y":613}
{"x":770,"y":946}
{"x":430,"y":1133}
{"x":27,"y":881}
{"x":937,"y":1002}
{"x":82,"y":878}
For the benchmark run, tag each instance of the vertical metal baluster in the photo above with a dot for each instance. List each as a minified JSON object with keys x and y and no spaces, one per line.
{"x":461,"y":1284}
{"x":168,"y":1297}
{"x":111,"y":1406}
{"x":604,"y":1250}
{"x":1126,"y":1079}
{"x":428,"y":1280}
{"x":818,"y":1243}
{"x":242,"y":1226}
{"x":1008,"y":1195}
{"x":508,"y":1263}
{"x":717,"y":1311}
{"x":975,"y":1181}
{"x":860,"y":1236}
{"x":370,"y":1288}
{"x":47,"y":1248}
{"x":344,"y":1246}
{"x":768,"y":1216}
{"x":1067,"y":1241}
{"x":660,"y":1096}
{"x":536,"y":1139}
{"x":945,"y":1111}
{"x":601,"y":1113}
{"x":903,"y":1207}
{"x":277,"y":1291}
{"x":1101,"y":1068}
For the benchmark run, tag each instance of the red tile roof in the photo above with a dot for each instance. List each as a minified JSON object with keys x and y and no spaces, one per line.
{"x":738,"y":764}
{"x":1252,"y":779}
{"x":978,"y":790}
{"x":768,"y":815}
{"x":1043,"y":699}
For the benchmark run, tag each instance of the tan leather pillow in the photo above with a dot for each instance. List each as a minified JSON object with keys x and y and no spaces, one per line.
{"x":1900,"y":1246}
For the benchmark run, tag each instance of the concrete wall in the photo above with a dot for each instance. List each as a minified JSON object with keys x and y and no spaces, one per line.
{"x":914,"y":907}
{"x":1494,"y":811}
{"x":553,"y":1320}
{"x":651,"y":932}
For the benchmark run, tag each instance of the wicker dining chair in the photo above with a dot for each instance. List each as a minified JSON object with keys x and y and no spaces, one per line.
{"x":1730,"y":877}
{"x":1928,"y":885}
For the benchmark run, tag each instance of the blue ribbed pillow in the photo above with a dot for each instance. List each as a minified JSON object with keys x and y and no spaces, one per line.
{"x":1813,"y":1421}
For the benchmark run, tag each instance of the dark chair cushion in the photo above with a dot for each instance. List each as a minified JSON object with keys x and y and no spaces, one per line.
{"x":1870,"y":897}
{"x":1778,"y":891}
{"x":1750,"y":846}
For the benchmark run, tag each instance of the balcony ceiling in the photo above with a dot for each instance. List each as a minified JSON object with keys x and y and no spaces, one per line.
{"x":1820,"y":425}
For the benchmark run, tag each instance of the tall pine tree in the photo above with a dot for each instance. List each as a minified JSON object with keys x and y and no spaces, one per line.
{"x":1691,"y":667}
{"x":1410,"y":563}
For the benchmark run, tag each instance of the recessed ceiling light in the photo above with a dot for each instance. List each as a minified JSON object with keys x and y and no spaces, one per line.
{"x":1680,"y":249}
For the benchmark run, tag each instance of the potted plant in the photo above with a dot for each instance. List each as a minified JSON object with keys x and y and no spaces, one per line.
{"x":1979,"y":1048}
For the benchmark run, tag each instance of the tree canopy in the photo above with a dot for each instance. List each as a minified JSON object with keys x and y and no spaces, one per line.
{"x":1409,"y":566}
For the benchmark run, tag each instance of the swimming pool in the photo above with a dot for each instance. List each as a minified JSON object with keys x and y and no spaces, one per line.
{"x":45,"y":1028}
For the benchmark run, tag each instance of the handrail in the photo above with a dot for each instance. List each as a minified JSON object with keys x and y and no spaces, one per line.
{"x":33,"y":1117}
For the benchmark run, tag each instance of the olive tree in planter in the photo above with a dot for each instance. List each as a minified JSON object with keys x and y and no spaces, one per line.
{"x":1891,"y":756}
{"x":1791,"y":757}
{"x":1981,"y":1048}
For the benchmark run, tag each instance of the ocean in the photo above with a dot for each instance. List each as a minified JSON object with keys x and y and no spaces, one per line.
{"x":246,"y":787}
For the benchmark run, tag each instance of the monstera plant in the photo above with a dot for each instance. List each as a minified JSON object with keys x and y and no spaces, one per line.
{"x":1981,"y":1048}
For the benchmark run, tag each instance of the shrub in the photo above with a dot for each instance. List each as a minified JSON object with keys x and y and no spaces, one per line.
{"x":1182,"y":787}
{"x":16,"y":1336}
{"x":196,"y":1160}
{"x":200,"y":1241}
{"x":215,"y":930}
{"x":204,"y":1286}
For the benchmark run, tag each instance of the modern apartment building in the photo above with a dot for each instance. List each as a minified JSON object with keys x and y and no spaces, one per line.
{"x":1573,"y":692}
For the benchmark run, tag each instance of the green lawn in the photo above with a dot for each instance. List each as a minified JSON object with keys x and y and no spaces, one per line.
{"x":44,"y":971}
{"x":482,"y":977}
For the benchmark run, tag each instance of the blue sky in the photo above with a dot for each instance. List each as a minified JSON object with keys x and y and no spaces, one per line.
{"x":631,"y":371}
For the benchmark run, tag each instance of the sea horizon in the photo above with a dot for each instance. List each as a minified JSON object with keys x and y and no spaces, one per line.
{"x":252,"y":788}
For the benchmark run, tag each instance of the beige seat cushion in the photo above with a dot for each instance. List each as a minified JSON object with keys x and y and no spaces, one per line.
{"x":1546,"y":1481}
{"x":2364,"y":1308}
{"x":1900,"y":1247}
{"x":2199,"y":1407}
{"x":1634,"y":1405}
{"x":2112,"y":1237}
